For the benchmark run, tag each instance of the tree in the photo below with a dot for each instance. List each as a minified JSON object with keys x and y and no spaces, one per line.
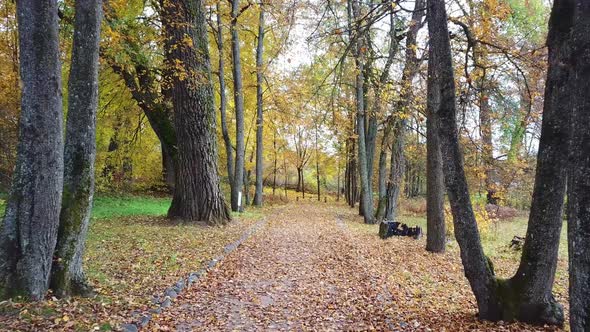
{"x":398,"y":121}
{"x":67,"y":276}
{"x":259,"y":108}
{"x":236,"y":189}
{"x":223,"y":102}
{"x":579,"y":183}
{"x":435,"y":190}
{"x":139,"y":68}
{"x":359,"y":50}
{"x":29,"y":230}
{"x":527,"y":296}
{"x":197,"y":194}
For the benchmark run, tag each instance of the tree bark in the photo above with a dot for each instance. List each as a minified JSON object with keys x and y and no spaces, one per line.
{"x":67,"y":274}
{"x":197,"y":194}
{"x":366,"y":194}
{"x":579,"y":183}
{"x":259,"y":108}
{"x":239,"y":106}
{"x":398,"y":122}
{"x":223,"y":104}
{"x":29,"y":230}
{"x":527,"y":296}
{"x":435,"y":187}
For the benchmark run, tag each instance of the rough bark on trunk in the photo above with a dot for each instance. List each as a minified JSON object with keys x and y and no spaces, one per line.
{"x":223,"y":105}
{"x":239,"y":106}
{"x":478,"y":269}
{"x":259,"y":108}
{"x":397,"y":169}
{"x":527,"y":296}
{"x":67,"y":274}
{"x":435,"y":187}
{"x":197,"y":194}
{"x":579,"y":183}
{"x":29,"y":230}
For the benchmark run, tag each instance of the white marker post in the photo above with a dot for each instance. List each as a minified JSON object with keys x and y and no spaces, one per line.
{"x":240,"y":201}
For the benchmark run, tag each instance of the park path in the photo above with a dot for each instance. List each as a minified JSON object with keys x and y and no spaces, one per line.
{"x":302,"y":271}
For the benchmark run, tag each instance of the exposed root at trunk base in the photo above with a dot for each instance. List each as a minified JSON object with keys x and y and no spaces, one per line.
{"x":511,"y":305}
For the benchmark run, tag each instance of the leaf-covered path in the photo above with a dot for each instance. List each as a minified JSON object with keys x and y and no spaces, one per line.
{"x":301,"y":272}
{"x":316,"y":267}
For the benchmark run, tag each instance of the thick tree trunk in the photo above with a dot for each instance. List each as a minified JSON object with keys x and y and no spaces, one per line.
{"x":239,"y":106}
{"x":223,"y":106}
{"x":197,"y":194}
{"x":527,"y":296}
{"x":435,"y":187}
{"x":29,"y":230}
{"x":67,"y":274}
{"x":259,"y":108}
{"x":579,"y":184}
{"x":397,"y":169}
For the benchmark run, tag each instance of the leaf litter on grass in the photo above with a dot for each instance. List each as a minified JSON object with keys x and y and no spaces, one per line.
{"x":128,"y":260}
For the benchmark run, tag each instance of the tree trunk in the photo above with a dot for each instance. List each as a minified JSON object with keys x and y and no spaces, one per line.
{"x":239,"y":106}
{"x":397,"y":165}
{"x":527,"y":296}
{"x":29,"y":230}
{"x":274,"y":172}
{"x":398,"y":123}
{"x":223,"y":107}
{"x":435,"y":187}
{"x":197,"y":194}
{"x":145,"y":90}
{"x":67,"y":274}
{"x":259,"y":107}
{"x":579,"y":184}
{"x":382,"y":181}
{"x":317,"y":162}
{"x":435,"y":197}
{"x":366,"y":194}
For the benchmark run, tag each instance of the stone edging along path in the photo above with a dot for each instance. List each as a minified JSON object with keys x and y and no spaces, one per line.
{"x":164,"y":301}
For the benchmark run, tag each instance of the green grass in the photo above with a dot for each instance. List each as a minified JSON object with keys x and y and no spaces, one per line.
{"x":496,"y":241}
{"x":123,"y":206}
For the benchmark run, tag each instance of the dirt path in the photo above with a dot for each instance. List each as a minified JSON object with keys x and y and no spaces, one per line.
{"x":303,"y":271}
{"x":317,"y":267}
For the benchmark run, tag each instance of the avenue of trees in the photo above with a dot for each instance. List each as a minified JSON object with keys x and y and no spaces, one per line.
{"x":469,"y":103}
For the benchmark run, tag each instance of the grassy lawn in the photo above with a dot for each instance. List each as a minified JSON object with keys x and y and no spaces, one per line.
{"x":124,"y":206}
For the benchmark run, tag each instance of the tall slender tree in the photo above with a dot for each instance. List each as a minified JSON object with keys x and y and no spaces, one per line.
{"x":259,"y":108}
{"x":526,"y":296}
{"x":435,"y":188}
{"x":67,"y":276}
{"x":29,"y":230}
{"x":223,"y":101}
{"x":579,"y":183}
{"x":197,"y":193}
{"x":359,"y":54}
{"x":239,"y":105}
